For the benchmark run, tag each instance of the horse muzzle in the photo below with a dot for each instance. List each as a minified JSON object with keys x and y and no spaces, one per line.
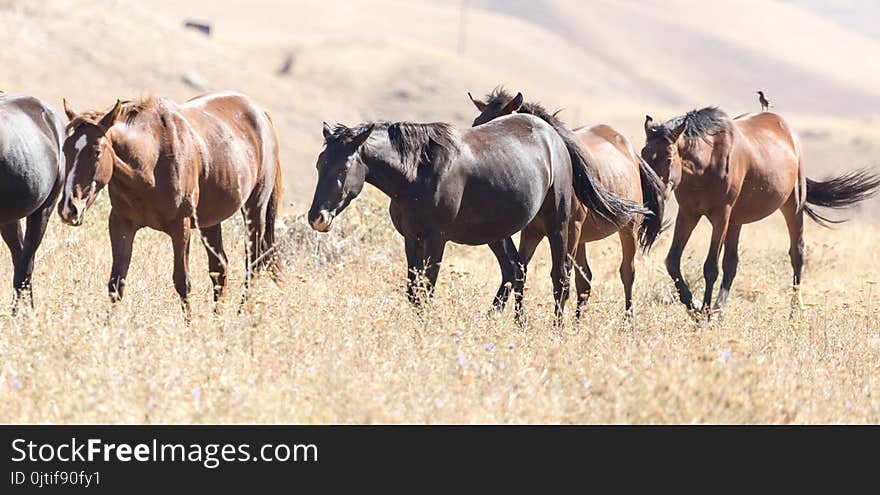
{"x":323,"y":221}
{"x":72,"y":212}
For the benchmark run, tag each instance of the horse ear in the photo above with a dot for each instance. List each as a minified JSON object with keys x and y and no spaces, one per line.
{"x":477,"y":103}
{"x":110,"y":117}
{"x":514,"y":104}
{"x":649,"y":125}
{"x":327,"y":132}
{"x":678,"y":131}
{"x":362,"y":137}
{"x":71,"y":113}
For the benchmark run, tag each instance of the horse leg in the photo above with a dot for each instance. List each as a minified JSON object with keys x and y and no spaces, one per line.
{"x":629,"y":245}
{"x":684,"y":227}
{"x":720,"y":222}
{"x":560,"y":272}
{"x":182,"y":283}
{"x":729,"y":264}
{"x":583,"y":278}
{"x":13,"y":238}
{"x":255,"y":220}
{"x":433,"y":258}
{"x":511,"y":271}
{"x":33,"y":237}
{"x":794,"y":219}
{"x":122,"y":234}
{"x":217,"y":260}
{"x":529,"y":239}
{"x":415,"y":269}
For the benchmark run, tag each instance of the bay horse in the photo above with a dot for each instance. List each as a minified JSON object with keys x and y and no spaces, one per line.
{"x":618,"y":168}
{"x":734,"y":172}
{"x":173,"y":168}
{"x":473,"y":186}
{"x":31,"y":177}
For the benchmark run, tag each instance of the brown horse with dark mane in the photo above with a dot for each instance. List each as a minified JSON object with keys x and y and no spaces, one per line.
{"x":173,"y":168}
{"x":617,"y":167}
{"x":734,"y":172}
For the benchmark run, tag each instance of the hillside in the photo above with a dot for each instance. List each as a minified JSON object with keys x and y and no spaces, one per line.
{"x":602,"y":61}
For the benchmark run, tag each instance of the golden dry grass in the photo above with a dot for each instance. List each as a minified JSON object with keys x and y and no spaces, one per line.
{"x":336,"y":342}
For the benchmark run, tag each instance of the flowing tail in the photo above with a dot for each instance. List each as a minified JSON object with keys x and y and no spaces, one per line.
{"x":587,"y":187}
{"x":840,"y":192}
{"x":653,"y":197}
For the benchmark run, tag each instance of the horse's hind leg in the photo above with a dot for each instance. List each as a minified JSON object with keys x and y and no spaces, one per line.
{"x":511,"y":271}
{"x":12,"y":235}
{"x":583,"y":278}
{"x":529,"y":239}
{"x":255,"y":220}
{"x":629,"y":245}
{"x":33,"y":237}
{"x":729,"y":263}
{"x":794,"y":219}
{"x":560,"y":271}
{"x":684,"y":227}
{"x":217,"y":260}
{"x":182,"y":283}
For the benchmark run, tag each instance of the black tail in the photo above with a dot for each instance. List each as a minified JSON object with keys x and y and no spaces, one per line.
{"x":587,"y":187}
{"x":653,"y":197}
{"x":840,"y":192}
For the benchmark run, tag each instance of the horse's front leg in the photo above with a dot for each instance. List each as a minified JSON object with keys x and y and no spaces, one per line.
{"x":719,"y":222}
{"x":122,"y":234}
{"x":180,"y":235}
{"x":423,"y":257}
{"x":414,"y":269}
{"x":684,"y":227}
{"x":434,"y":248}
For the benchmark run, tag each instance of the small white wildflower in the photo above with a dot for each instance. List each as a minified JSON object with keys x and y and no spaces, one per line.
{"x":120,"y":380}
{"x":460,"y":360}
{"x":587,"y":384}
{"x":16,"y":384}
{"x":725,"y":355}
{"x":501,"y":365}
{"x":196,"y":394}
{"x":438,"y":403}
{"x":489,"y":347}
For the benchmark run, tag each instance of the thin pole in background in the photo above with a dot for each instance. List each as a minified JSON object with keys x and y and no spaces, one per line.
{"x":462,"y":27}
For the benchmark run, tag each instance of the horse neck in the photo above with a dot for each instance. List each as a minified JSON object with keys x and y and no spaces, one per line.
{"x":127,"y":166}
{"x":385,"y":170}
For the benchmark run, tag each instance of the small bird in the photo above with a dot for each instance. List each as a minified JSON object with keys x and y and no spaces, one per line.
{"x":765,"y":105}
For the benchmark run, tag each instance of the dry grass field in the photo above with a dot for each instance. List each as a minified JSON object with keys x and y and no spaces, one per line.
{"x":334,"y":341}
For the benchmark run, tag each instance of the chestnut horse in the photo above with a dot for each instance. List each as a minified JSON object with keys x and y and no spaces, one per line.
{"x":473,"y":186}
{"x":31,"y":177}
{"x":618,"y":168}
{"x":734,"y":172}
{"x":174,"y":168}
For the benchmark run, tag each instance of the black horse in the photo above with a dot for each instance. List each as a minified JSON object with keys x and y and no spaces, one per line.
{"x":30,"y":179}
{"x":474,"y":186}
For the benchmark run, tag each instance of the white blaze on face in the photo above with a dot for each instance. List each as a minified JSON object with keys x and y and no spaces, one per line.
{"x":77,"y":149}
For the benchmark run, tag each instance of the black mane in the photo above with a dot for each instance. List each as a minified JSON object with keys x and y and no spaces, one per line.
{"x":416,"y":144}
{"x":499,"y":97}
{"x":701,"y":124}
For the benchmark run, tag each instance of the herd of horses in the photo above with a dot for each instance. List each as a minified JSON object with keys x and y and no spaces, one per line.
{"x":176,"y":168}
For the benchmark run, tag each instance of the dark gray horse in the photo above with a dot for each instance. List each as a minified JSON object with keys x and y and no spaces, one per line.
{"x":30,"y":179}
{"x":473,"y":186}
